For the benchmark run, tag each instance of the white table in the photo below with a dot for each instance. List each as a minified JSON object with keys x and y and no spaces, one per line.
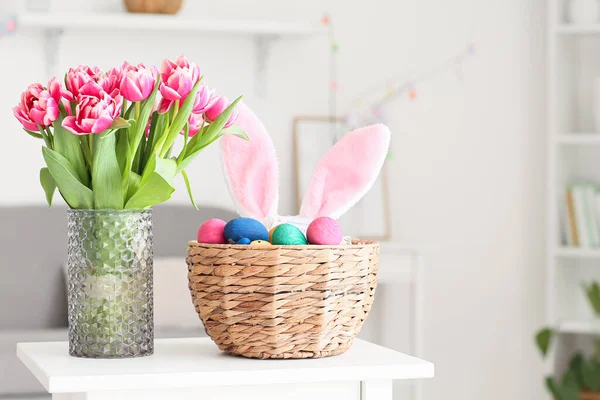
{"x":195,"y":369}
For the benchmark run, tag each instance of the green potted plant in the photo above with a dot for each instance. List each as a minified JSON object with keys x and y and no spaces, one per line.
{"x":581,"y":379}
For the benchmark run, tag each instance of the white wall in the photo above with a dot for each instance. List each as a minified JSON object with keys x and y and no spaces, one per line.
{"x":468,"y":172}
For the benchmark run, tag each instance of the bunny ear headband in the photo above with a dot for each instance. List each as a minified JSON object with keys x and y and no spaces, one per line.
{"x":342,"y":177}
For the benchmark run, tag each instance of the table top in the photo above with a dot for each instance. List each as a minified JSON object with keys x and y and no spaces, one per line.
{"x":197,"y":362}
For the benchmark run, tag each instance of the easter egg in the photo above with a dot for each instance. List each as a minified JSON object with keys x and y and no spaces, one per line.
{"x":271,"y":233}
{"x":243,"y":241}
{"x":324,"y":231}
{"x":248,"y":228}
{"x":260,"y":243}
{"x":212,"y":231}
{"x":288,"y":234}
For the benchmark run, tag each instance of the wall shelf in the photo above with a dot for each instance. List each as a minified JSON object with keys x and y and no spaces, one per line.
{"x":577,"y":252}
{"x":577,"y":29}
{"x":580,"y":327}
{"x":262,"y":32}
{"x":171,"y":23}
{"x":578,"y":139}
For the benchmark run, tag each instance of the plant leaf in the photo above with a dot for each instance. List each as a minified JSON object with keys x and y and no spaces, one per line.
{"x":48,"y":184}
{"x":590,"y":375}
{"x":181,"y":119}
{"x":134,"y":184}
{"x":189,"y":188}
{"x":76,"y":194}
{"x":106,"y":174}
{"x":34,"y":134}
{"x":213,"y":130}
{"x":119,"y":123}
{"x":67,"y":145}
{"x":543,"y":339}
{"x":593,"y":294}
{"x":156,"y":186}
{"x":235,"y":130}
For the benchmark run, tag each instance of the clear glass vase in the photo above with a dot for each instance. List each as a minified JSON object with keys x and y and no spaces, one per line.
{"x":110,"y":283}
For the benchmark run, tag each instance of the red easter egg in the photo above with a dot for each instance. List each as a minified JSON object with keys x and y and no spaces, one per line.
{"x":324,"y":231}
{"x":212,"y":231}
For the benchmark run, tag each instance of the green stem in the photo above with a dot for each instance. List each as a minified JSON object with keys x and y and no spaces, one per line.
{"x":137,"y":112}
{"x":185,"y":143}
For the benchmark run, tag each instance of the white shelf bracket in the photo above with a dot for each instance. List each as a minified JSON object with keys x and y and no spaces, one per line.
{"x":51,"y":46}
{"x":262,"y":47}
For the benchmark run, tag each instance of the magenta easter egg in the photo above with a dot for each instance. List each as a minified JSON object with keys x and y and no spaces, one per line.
{"x":324,"y":231}
{"x":212,"y":231}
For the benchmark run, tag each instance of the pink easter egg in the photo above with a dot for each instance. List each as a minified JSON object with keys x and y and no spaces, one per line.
{"x":324,"y":231}
{"x":212,"y":231}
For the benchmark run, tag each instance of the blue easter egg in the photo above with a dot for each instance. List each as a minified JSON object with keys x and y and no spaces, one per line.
{"x":245,"y":228}
{"x":243,"y":241}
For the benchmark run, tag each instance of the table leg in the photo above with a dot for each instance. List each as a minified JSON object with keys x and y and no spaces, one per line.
{"x":377,"y":389}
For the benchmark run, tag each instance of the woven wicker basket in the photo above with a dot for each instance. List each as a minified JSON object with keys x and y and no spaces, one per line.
{"x":283,"y":301}
{"x":153,"y":6}
{"x":589,"y":396}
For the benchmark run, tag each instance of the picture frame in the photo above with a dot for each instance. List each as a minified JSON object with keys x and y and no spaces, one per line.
{"x":313,"y":136}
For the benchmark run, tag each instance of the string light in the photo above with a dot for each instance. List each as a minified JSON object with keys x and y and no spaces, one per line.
{"x":8,"y":26}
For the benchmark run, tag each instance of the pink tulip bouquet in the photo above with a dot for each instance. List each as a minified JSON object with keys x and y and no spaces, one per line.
{"x":109,"y":135}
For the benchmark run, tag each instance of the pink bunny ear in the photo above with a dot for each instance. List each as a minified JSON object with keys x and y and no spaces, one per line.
{"x":346,"y":173}
{"x":251,"y":168}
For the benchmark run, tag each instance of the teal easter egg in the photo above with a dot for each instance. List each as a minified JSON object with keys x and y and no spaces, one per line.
{"x":245,"y":228}
{"x":243,"y":241}
{"x":288,"y":234}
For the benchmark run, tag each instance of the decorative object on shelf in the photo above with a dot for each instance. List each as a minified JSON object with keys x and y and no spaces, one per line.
{"x":583,"y":11}
{"x":251,"y":299}
{"x":108,"y":140}
{"x":312,"y":137}
{"x":582,"y":215}
{"x":581,"y":380}
{"x":153,"y":6}
{"x":8,"y":26}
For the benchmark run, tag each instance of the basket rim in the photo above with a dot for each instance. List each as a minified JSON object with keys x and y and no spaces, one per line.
{"x":356,"y":244}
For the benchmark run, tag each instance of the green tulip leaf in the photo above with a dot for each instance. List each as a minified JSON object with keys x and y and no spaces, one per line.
{"x":213,"y":130}
{"x":189,"y":188}
{"x":156,"y":186}
{"x":119,"y":123}
{"x":34,"y":134}
{"x":106,"y":174}
{"x":235,"y":130}
{"x":122,"y":150}
{"x":76,"y":194}
{"x":68,"y":145}
{"x":183,"y":114}
{"x":592,"y":292}
{"x":543,"y":339}
{"x":134,"y":184}
{"x":48,"y":184}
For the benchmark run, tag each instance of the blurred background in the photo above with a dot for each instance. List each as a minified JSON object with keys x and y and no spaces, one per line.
{"x":461,"y":207}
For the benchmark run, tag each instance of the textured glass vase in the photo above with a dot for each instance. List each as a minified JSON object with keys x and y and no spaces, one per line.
{"x":110,"y":283}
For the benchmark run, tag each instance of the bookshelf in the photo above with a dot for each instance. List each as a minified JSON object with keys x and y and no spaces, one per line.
{"x":573,"y":155}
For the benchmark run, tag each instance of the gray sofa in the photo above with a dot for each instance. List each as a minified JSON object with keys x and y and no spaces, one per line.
{"x":32,"y":283}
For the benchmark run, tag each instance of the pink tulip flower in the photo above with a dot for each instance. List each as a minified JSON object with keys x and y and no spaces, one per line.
{"x":79,"y":76}
{"x":202,"y":102}
{"x":38,"y":106}
{"x":111,"y":81}
{"x":138,"y":82}
{"x":195,"y":122}
{"x":178,"y":78}
{"x":216,"y":108}
{"x":96,"y":110}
